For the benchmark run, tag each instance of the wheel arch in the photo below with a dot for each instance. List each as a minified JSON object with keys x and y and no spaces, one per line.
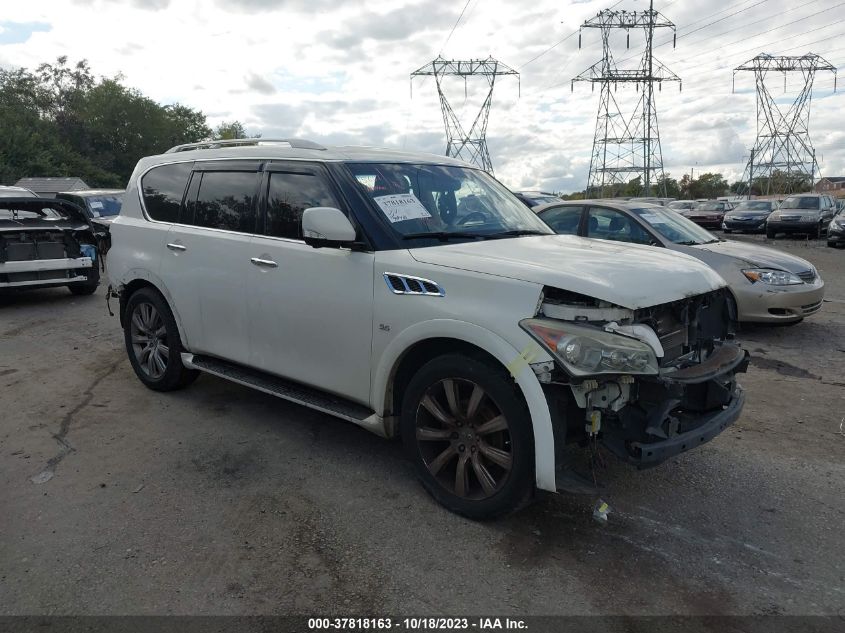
{"x":417,"y":345}
{"x":144,"y":279}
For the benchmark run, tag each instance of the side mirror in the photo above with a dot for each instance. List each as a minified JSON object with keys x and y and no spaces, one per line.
{"x":326,"y":226}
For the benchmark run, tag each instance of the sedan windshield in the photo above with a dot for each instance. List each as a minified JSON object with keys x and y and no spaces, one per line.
{"x":800,"y":202}
{"x":754,"y":205}
{"x":441,"y":203}
{"x":674,"y":227}
{"x":710,"y":206}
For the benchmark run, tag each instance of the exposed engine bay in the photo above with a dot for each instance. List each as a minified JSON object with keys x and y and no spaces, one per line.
{"x":645,"y":419}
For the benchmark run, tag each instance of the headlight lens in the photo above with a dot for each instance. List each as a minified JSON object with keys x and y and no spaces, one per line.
{"x":587,"y":351}
{"x":771,"y":277}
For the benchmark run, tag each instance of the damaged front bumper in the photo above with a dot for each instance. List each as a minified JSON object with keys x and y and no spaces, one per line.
{"x":678,"y":410}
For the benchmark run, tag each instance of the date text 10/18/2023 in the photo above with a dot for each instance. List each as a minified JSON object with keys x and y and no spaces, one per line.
{"x":417,"y":624}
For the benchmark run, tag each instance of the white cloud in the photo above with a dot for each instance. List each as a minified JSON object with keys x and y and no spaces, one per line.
{"x":339,"y":72}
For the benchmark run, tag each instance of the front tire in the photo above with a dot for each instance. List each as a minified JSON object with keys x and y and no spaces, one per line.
{"x":770,"y":235}
{"x":468,"y":432}
{"x":153,"y":344}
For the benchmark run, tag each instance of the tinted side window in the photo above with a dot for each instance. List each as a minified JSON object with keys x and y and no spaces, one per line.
{"x":563,"y":220}
{"x":163,"y":188}
{"x":288,"y":196}
{"x":226,"y":200}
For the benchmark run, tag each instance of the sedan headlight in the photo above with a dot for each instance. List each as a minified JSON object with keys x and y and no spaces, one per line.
{"x":771,"y":277}
{"x":587,"y":351}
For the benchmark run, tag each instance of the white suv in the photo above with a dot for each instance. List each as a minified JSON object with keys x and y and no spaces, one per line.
{"x":414,"y":295}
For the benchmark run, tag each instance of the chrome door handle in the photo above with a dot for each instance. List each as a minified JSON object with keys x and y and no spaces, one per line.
{"x":269,"y":263}
{"x":177,"y":247}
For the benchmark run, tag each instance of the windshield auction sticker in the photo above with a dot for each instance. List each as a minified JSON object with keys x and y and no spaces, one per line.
{"x":402,"y":206}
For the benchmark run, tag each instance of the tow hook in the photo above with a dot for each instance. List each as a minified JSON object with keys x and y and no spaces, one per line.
{"x":110,"y":293}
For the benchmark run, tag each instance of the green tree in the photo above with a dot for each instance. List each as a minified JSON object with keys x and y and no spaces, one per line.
{"x":229,"y":130}
{"x":60,"y":121}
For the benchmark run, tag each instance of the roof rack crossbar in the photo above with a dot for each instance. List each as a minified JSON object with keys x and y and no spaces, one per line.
{"x":296,"y":143}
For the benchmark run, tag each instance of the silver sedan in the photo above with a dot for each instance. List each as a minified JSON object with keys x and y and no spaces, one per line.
{"x":767,"y":285}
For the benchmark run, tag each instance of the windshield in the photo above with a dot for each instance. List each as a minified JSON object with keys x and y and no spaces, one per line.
{"x":444,"y":202}
{"x":674,"y":227}
{"x":105,"y":205}
{"x":710,"y":206}
{"x":800,"y":202}
{"x":680,"y":205}
{"x":754,"y":205}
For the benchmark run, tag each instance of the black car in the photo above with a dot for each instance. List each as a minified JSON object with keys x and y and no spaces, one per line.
{"x":836,"y":230}
{"x":46,"y":243}
{"x":749,"y":215}
{"x":807,"y":213}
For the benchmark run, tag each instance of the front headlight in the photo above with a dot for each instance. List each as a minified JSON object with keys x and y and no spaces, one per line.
{"x":771,"y":277}
{"x":587,"y":351}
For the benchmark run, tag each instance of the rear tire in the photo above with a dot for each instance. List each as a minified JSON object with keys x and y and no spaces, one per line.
{"x":468,"y":432}
{"x":152,"y":342}
{"x":770,"y":235}
{"x":727,"y":231}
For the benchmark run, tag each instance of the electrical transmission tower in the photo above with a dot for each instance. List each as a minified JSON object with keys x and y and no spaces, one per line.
{"x":783,"y":159}
{"x":469,"y":146}
{"x":626,"y":146}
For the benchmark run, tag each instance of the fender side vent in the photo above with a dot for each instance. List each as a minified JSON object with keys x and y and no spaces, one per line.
{"x":407,"y":285}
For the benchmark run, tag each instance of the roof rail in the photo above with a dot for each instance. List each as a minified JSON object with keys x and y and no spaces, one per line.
{"x":296,"y":143}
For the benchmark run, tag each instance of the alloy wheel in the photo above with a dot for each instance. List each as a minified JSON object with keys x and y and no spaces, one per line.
{"x":149,"y":340}
{"x":464,"y":438}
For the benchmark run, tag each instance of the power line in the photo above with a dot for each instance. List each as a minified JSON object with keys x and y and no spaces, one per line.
{"x":454,"y":26}
{"x":771,"y":44}
{"x":558,"y":43}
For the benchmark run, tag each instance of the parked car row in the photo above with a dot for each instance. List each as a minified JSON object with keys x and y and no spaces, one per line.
{"x":808,"y":214}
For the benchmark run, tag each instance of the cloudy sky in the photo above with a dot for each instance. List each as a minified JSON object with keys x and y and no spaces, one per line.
{"x":338,"y":72}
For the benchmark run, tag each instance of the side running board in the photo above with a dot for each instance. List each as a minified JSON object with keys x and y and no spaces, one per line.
{"x":288,"y":390}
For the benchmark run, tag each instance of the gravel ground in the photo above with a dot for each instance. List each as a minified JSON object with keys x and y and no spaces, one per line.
{"x":220,"y":500}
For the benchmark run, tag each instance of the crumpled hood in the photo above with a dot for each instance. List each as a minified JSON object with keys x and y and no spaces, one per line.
{"x":628,"y":275}
{"x":757,"y":256}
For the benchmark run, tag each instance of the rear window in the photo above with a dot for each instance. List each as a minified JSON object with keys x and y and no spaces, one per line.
{"x":163,"y":188}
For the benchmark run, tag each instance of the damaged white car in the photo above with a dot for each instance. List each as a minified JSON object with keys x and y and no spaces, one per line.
{"x":46,"y":243}
{"x":414,"y":295}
